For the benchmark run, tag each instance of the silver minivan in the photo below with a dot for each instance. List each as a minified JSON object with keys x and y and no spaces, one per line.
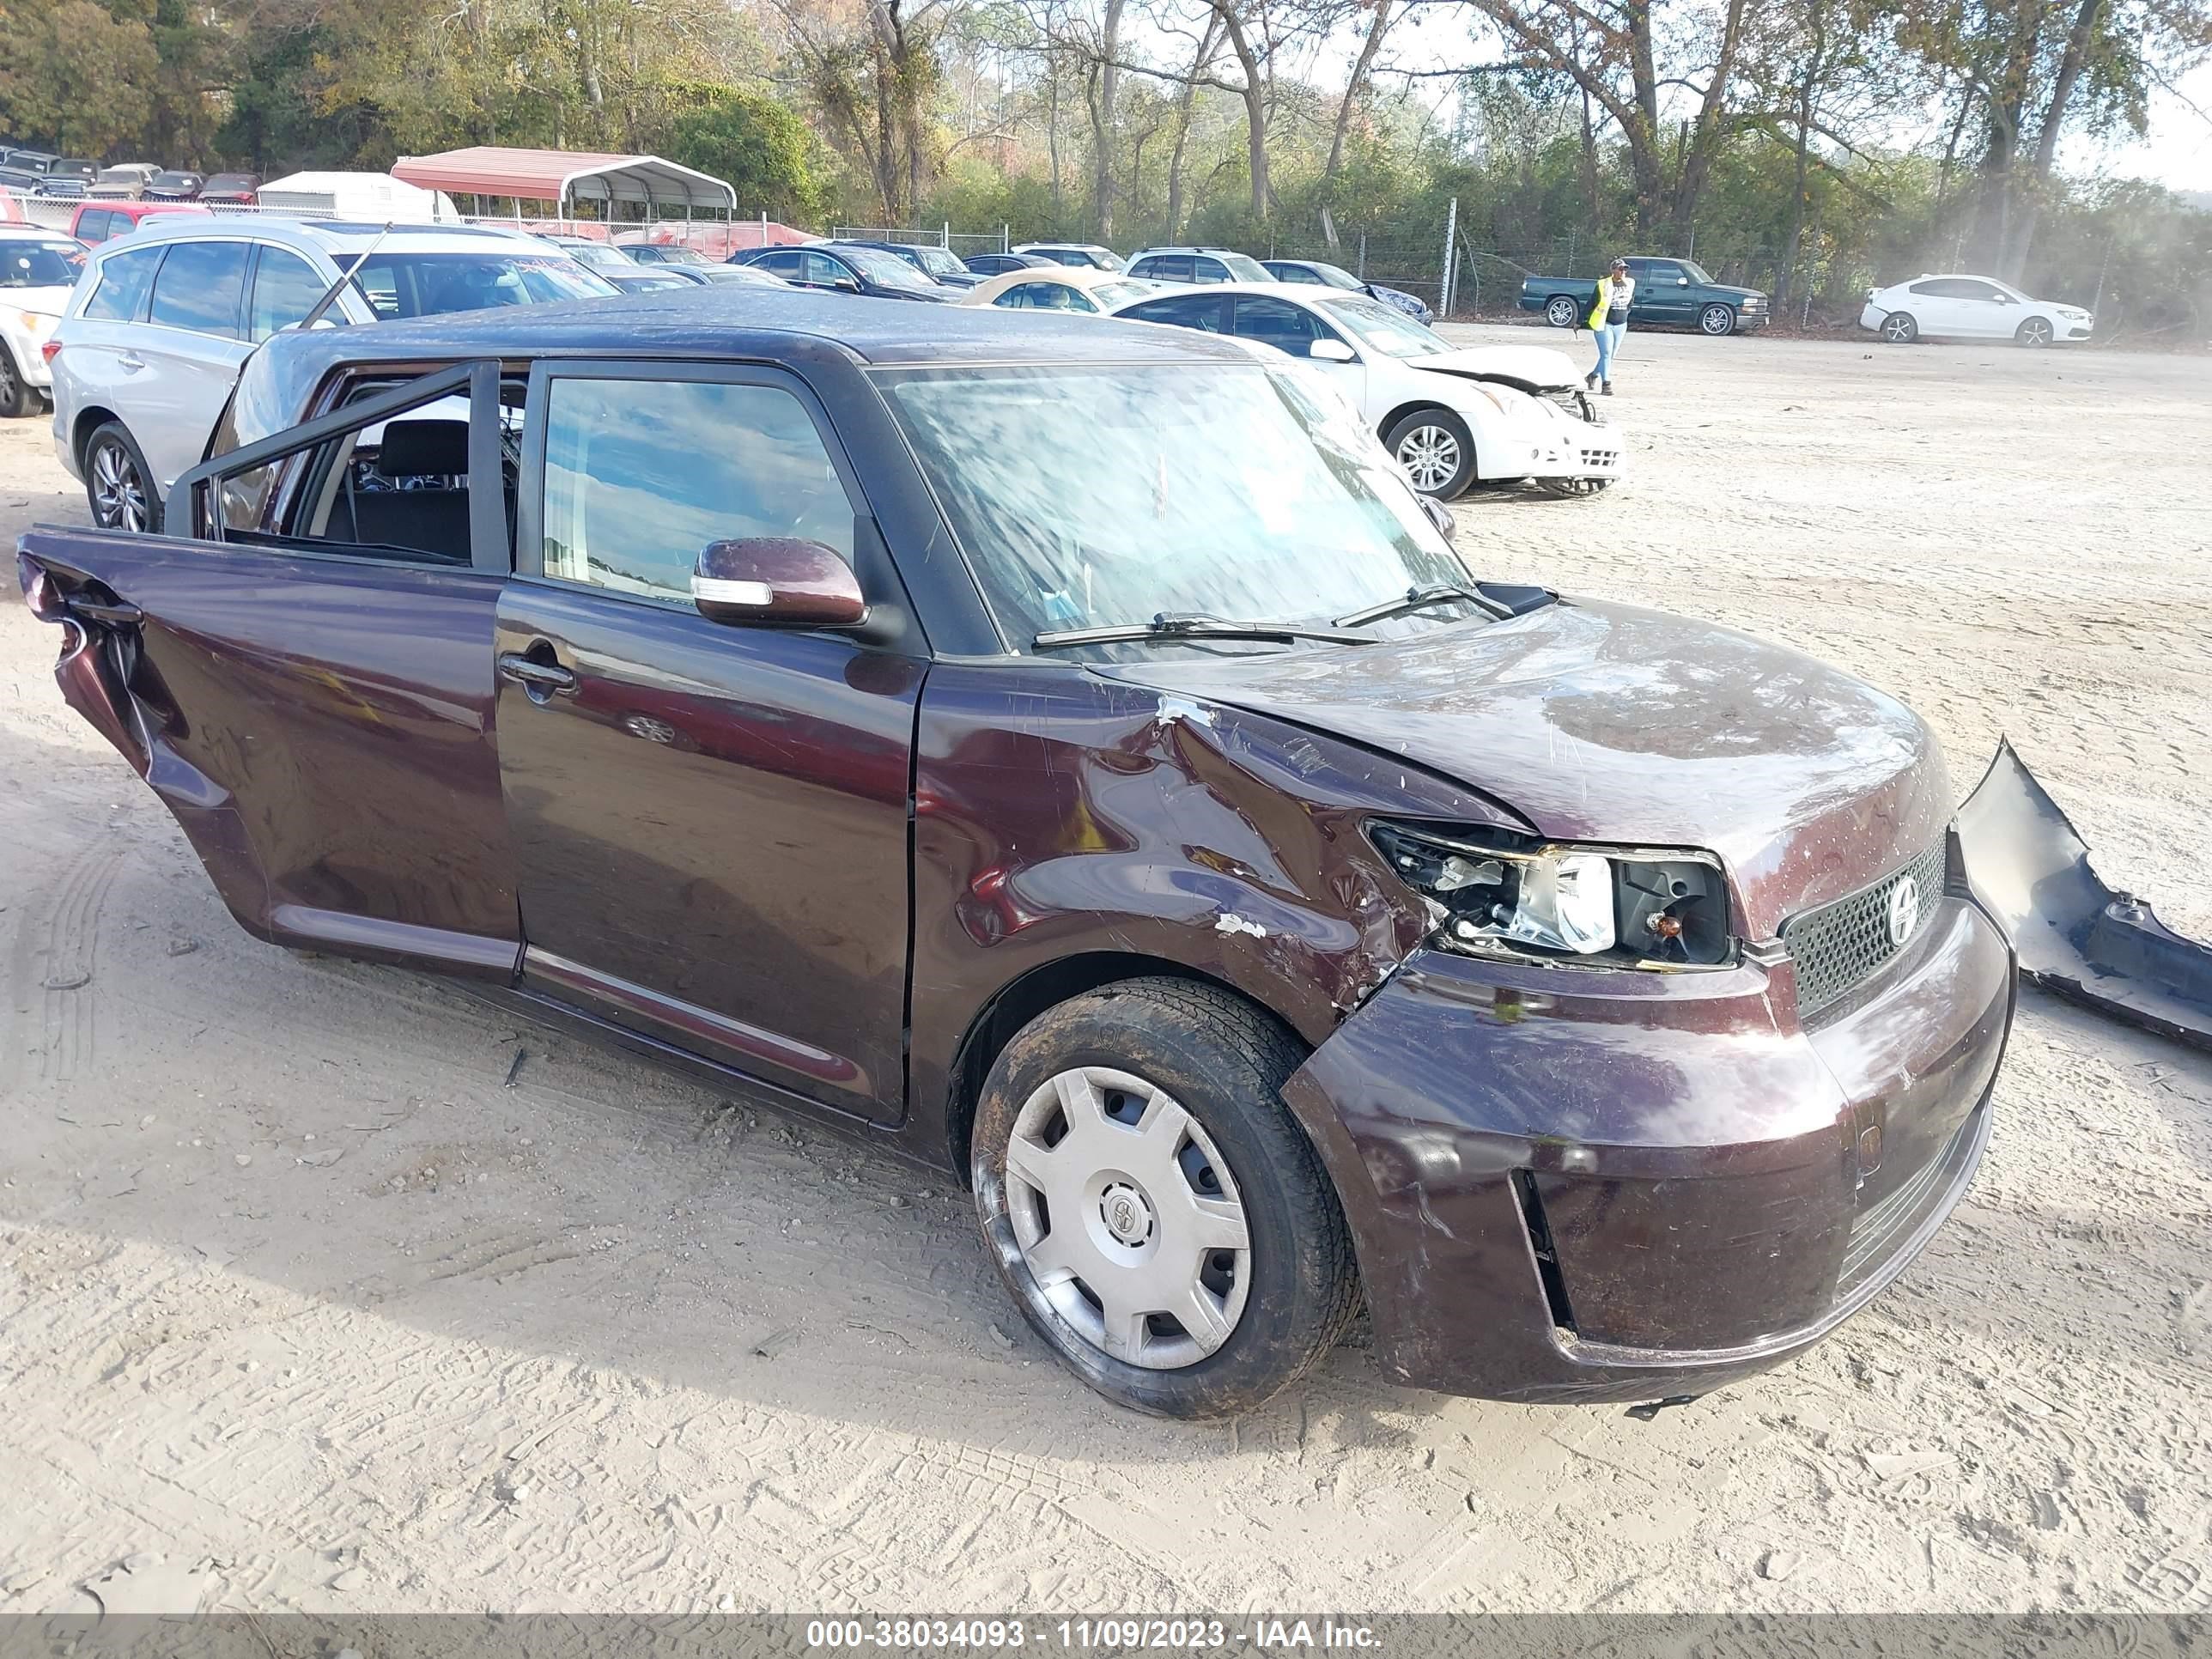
{"x":163,"y":319}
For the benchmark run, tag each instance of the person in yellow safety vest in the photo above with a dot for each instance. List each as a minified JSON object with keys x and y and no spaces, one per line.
{"x":1608,"y":321}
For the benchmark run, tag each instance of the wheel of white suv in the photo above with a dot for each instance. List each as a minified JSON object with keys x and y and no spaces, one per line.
{"x":17,"y":398}
{"x":1899,"y":329}
{"x":1717,"y":320}
{"x":1437,"y":450}
{"x":2035,"y":333}
{"x":118,"y":482}
{"x":1152,"y":1205}
{"x":1561,"y":312}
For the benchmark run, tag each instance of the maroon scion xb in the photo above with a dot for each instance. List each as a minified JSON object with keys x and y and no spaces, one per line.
{"x":1066,"y":751}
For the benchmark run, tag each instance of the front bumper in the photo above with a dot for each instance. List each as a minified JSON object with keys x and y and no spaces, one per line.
{"x":1564,"y":446}
{"x":1759,"y":318}
{"x":1569,"y":1185}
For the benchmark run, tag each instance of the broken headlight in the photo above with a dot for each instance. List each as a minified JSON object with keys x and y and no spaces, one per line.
{"x":1512,"y":896}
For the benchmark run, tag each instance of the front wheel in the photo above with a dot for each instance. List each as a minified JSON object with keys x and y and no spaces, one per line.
{"x":1569,"y":488}
{"x":17,"y":396}
{"x":1561,"y":312}
{"x":1161,"y":1220}
{"x":2035,"y":333}
{"x":1436,"y":450}
{"x":1899,"y":328}
{"x":117,"y":483}
{"x":1717,"y":320}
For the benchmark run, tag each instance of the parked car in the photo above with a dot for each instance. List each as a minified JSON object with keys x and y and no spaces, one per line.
{"x":1059,"y":287}
{"x":29,"y":160}
{"x":38,"y":268}
{"x":1667,"y":291}
{"x":941,"y":265}
{"x":998,"y":265}
{"x":59,"y":188}
{"x":602,"y":257}
{"x":1197,"y":264}
{"x":944,"y":728}
{"x":1449,"y":425}
{"x":238,"y":189}
{"x":665,"y":253}
{"x":1321,"y":273}
{"x":95,"y":221}
{"x":176,"y":185}
{"x":1958,"y":307}
{"x":1074,"y":253}
{"x":124,"y":182}
{"x":638,"y":280}
{"x":16,"y":181}
{"x":845,"y":268}
{"x":150,"y":346}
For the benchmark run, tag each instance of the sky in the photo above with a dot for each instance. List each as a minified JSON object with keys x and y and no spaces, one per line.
{"x":2178,"y":153}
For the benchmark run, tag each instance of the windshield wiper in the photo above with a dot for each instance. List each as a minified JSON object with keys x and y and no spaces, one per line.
{"x":1172,"y":626}
{"x":1420,"y":599}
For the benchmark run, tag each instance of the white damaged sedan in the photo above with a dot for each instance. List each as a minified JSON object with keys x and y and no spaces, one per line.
{"x":1452,"y":417}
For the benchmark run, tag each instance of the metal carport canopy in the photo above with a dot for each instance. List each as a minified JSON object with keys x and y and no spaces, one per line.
{"x":563,"y":177}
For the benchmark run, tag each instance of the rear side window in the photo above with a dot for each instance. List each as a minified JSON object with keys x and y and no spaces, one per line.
{"x":285,"y":289}
{"x":640,"y":475}
{"x":92,"y":227}
{"x":1165,"y":267}
{"x":1208,"y":270}
{"x":123,"y":278}
{"x":199,"y":287}
{"x":1184,"y":311}
{"x":1279,"y":323}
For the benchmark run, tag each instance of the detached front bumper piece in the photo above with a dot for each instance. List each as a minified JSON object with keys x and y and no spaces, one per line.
{"x":1568,"y":1185}
{"x":2075,"y":936}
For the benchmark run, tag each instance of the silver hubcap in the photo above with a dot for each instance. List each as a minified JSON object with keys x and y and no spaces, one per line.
{"x":1128,"y":1218}
{"x":1430,"y":455}
{"x":2036,"y":334}
{"x":1562,"y":313}
{"x":1716,"y":321}
{"x":1898,"y":329}
{"x":118,"y":499}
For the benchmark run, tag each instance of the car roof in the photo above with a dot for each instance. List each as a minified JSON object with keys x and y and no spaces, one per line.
{"x":1304,"y":293}
{"x":34,"y":233}
{"x":338,"y":235}
{"x":1188,"y":247}
{"x":743,"y":323}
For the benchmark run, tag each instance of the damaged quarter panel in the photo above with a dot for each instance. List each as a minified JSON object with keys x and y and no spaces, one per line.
{"x":1061,"y":813}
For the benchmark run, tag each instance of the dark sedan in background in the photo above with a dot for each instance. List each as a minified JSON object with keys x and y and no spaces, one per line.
{"x":934,"y":725}
{"x":1321,"y":273}
{"x":846,"y":268}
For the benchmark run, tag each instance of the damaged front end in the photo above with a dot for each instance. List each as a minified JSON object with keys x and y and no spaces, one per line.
{"x":2075,"y":936}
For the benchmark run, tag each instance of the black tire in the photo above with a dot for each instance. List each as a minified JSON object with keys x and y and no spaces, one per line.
{"x":1899,"y":328}
{"x":17,"y":396}
{"x":1717,"y":320}
{"x":1562,"y":311}
{"x":1224,"y":1062}
{"x":2034,"y":334}
{"x":130,"y":488}
{"x":1575,"y":488}
{"x":1417,"y":442}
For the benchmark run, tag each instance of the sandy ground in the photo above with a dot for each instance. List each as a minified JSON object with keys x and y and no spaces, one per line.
{"x":297,"y":1297}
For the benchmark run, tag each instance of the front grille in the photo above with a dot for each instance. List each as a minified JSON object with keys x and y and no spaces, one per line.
{"x":1601,"y":457}
{"x":1840,"y":946}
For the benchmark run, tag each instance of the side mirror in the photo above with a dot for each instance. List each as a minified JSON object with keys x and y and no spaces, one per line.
{"x":846,"y":285}
{"x":1332,"y":351}
{"x":1439,"y":515}
{"x":1681,"y":282}
{"x":777,"y":581}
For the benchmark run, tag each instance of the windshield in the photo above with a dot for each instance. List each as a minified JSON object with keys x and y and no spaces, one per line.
{"x":680,"y":256}
{"x":1336,"y":277}
{"x":1384,"y":328}
{"x":429,"y":285}
{"x":1694,"y":271}
{"x":40,"y":264}
{"x":599,"y":254}
{"x":1107,"y":295}
{"x":1301,"y":519}
{"x":938,"y":262}
{"x":885,"y":268}
{"x":1244,"y":268}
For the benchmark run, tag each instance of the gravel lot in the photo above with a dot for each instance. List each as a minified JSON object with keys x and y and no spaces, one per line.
{"x":300,"y":1298}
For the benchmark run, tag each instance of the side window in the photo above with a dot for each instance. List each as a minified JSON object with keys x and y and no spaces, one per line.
{"x":1182,"y":310}
{"x":1022,"y":296}
{"x":92,"y":226}
{"x":1277,"y":323}
{"x":1940,"y":287}
{"x":785,"y":263}
{"x":198,"y":287}
{"x":122,"y":281}
{"x":825,"y":270}
{"x":1296,"y":273}
{"x":640,"y":474}
{"x":1982,"y":291}
{"x":1659,"y":271}
{"x":1166,"y":267}
{"x":285,"y":289}
{"x":1208,"y":270}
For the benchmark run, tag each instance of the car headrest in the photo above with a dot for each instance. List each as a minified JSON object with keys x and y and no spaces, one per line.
{"x":418,"y":449}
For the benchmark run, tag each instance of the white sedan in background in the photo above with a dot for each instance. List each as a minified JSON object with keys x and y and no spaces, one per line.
{"x":1452,"y":417}
{"x":1081,"y":289}
{"x":1960,"y":308}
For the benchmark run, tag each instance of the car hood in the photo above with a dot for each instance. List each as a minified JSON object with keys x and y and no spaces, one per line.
{"x":44,"y":302}
{"x":1532,"y":365}
{"x":1729,"y":291}
{"x":1605,"y":723}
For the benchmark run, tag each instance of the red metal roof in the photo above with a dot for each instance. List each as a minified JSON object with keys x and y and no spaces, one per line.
{"x":564,"y":176}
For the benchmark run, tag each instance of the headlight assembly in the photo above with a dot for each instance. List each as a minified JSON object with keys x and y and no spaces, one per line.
{"x":1515,"y":897}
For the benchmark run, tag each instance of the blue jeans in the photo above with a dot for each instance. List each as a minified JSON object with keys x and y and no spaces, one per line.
{"x":1609,"y":341}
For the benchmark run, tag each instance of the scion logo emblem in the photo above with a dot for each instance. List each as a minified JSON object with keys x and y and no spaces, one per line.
{"x":1903,"y":909}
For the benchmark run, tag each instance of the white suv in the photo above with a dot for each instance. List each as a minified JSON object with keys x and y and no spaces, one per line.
{"x":163,"y":319}
{"x":38,"y":267}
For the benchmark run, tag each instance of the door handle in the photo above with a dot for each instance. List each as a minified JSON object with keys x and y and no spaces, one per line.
{"x":543,"y":678}
{"x":132,"y":359}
